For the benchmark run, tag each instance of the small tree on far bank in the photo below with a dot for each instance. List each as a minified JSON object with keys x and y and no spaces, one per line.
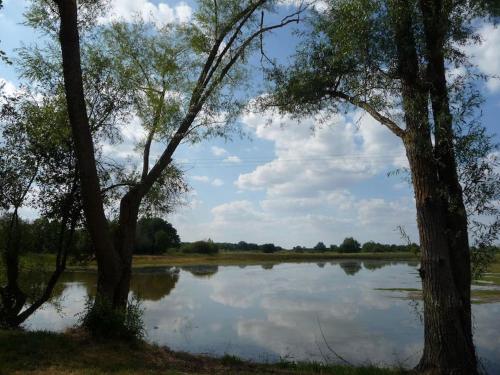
{"x":350,"y":245}
{"x":320,"y":246}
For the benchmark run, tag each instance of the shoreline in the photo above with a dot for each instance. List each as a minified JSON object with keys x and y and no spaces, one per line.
{"x":74,"y":352}
{"x":247,"y":258}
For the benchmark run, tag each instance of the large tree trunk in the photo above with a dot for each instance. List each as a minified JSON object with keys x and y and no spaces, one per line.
{"x":435,"y":26}
{"x":448,"y":347}
{"x":108,"y":260}
{"x":125,"y":242}
{"x":12,"y":297}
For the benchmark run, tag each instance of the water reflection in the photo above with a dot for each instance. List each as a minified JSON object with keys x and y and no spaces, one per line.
{"x":265,"y":314}
{"x":351,"y":267}
{"x":203,"y":271}
{"x":153,"y":288}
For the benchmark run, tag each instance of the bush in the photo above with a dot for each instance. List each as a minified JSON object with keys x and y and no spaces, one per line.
{"x":102,"y":321}
{"x":268,"y":248}
{"x":320,"y":246}
{"x":350,"y":245}
{"x":201,"y":247}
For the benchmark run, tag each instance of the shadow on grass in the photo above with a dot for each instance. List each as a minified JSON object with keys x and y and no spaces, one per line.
{"x":76,"y":353}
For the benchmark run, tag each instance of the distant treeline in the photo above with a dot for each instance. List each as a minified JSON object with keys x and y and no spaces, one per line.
{"x":155,"y":236}
{"x":245,"y":246}
{"x":349,"y":245}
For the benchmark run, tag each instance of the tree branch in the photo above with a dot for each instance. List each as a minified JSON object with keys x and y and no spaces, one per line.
{"x":384,"y":120}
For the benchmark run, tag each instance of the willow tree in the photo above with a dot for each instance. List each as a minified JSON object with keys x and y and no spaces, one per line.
{"x":388,"y":58}
{"x":218,"y":42}
{"x":37,"y":170}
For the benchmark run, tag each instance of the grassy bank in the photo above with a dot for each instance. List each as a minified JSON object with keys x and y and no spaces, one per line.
{"x":46,"y":261}
{"x":76,"y":353}
{"x":249,"y":258}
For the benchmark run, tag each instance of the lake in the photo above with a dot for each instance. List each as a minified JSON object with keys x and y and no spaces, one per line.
{"x":332,"y":311}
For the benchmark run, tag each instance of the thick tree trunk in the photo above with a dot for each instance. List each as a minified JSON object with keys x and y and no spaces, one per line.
{"x":125,"y":242}
{"x":448,"y":345}
{"x":108,"y":260}
{"x":435,"y":25}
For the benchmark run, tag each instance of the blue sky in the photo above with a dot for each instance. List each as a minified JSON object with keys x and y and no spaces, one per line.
{"x":284,"y":182}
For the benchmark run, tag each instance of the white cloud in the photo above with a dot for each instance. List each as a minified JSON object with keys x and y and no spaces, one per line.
{"x":217,"y":182}
{"x":7,"y":87}
{"x":486,"y":54}
{"x":201,"y":178}
{"x":218,"y":151}
{"x":232,"y":159}
{"x":160,"y":14}
{"x":328,"y":217}
{"x":308,"y":187}
{"x":336,"y":154}
{"x":319,"y":5}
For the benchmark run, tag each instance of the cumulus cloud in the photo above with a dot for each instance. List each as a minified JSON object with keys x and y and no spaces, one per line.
{"x":336,"y":154}
{"x":319,"y":5}
{"x":201,"y":178}
{"x":307,"y":188}
{"x":160,"y":14}
{"x":486,"y":54}
{"x":217,"y":182}
{"x":218,"y":151}
{"x":232,"y":159}
{"x":7,"y":87}
{"x":305,"y":221}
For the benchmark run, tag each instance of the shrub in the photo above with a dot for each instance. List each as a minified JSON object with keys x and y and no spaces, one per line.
{"x":350,"y":245}
{"x":268,"y":248}
{"x":102,"y":321}
{"x":320,"y":246}
{"x":201,"y":247}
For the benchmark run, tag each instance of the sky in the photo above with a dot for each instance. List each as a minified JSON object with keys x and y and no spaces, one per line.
{"x":283,"y":182}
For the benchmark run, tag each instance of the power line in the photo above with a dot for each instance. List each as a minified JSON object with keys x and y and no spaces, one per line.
{"x":245,"y":162}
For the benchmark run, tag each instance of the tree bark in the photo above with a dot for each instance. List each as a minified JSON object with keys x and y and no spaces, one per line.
{"x":109,"y":264}
{"x":435,"y":20}
{"x":447,"y":342}
{"x":125,"y":242}
{"x":448,"y":347}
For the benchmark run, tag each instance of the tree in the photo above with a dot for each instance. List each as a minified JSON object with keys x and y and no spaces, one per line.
{"x":334,"y":247}
{"x":155,"y":236}
{"x":268,"y":248}
{"x":350,"y":268}
{"x":349,"y":245}
{"x":223,"y":33}
{"x":201,"y":247}
{"x":34,"y":150}
{"x":320,"y":246}
{"x":366,"y":54}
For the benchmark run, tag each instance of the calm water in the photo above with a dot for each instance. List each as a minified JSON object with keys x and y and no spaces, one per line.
{"x":296,"y":311}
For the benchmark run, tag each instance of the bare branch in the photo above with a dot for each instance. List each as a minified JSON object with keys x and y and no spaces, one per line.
{"x":384,"y":120}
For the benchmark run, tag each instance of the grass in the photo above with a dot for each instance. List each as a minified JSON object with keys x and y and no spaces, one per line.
{"x":43,"y":353}
{"x":47,"y":261}
{"x":251,"y":258}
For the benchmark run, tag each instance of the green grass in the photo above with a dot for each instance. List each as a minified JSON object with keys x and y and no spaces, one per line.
{"x":47,"y":261}
{"x":249,"y":258}
{"x":43,"y":353}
